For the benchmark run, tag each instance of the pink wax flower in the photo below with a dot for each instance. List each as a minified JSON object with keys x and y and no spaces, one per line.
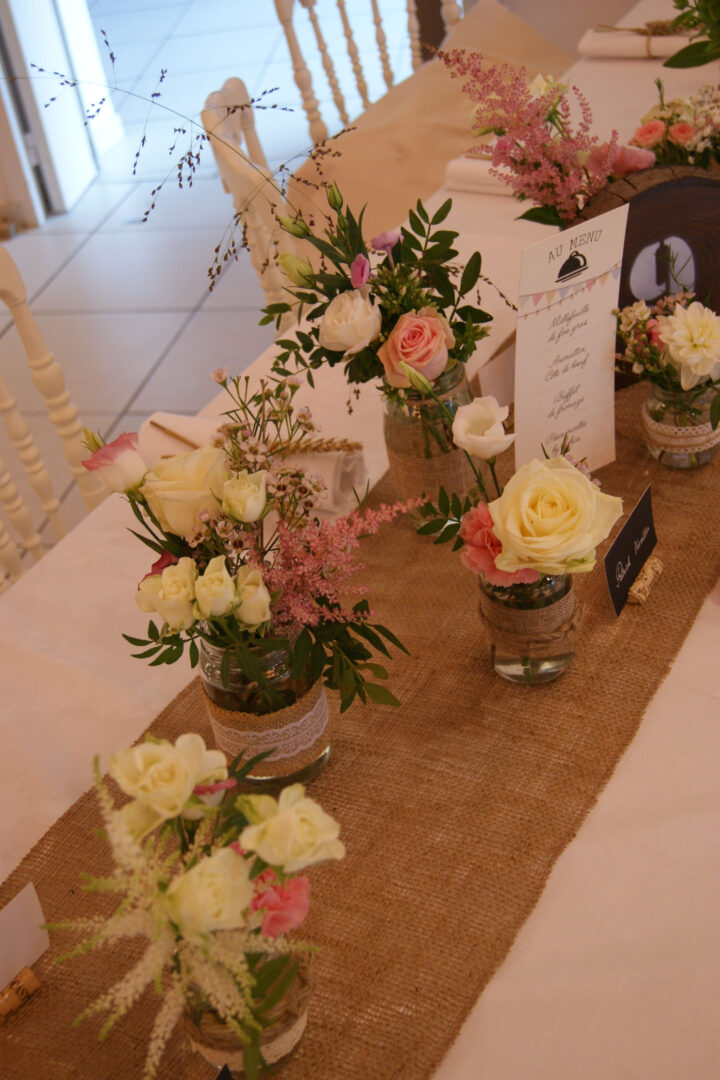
{"x":420,"y":339}
{"x":284,"y":906}
{"x":359,"y":271}
{"x":681,"y":134}
{"x":630,"y":159}
{"x":219,"y":375}
{"x":385,"y":241}
{"x":119,"y":464}
{"x":481,"y":548}
{"x":649,"y":134}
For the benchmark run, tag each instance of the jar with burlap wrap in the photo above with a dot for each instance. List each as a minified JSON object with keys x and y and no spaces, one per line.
{"x":532,"y":628}
{"x":417,"y":463}
{"x":219,"y":1045}
{"x":297,"y":733}
{"x":676,"y":426}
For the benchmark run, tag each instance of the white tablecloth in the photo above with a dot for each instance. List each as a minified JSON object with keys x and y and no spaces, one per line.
{"x":616,"y":972}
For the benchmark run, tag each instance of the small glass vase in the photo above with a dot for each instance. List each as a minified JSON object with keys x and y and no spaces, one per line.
{"x":676,"y":426}
{"x":532,"y":628}
{"x":418,"y":465}
{"x":297,"y":730}
{"x":220,"y":1046}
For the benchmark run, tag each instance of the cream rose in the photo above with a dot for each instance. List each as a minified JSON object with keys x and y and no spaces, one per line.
{"x":419,"y":339}
{"x":183,"y":486}
{"x":244,"y":496}
{"x":478,"y":428}
{"x":214,"y":895}
{"x":550,"y":518}
{"x":214,"y":590}
{"x":351,"y":321}
{"x":162,"y":776}
{"x":175,"y":599}
{"x":691,"y":338}
{"x":253,"y":606}
{"x":295,"y":831}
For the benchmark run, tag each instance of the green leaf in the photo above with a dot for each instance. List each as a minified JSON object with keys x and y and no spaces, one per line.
{"x":422,"y":212}
{"x":442,"y":212}
{"x":416,"y":224}
{"x":140,"y":643}
{"x":544,"y":215}
{"x":380,"y":694}
{"x":448,"y":533}
{"x":715,"y":411}
{"x":471,"y":273}
{"x":365,"y":631}
{"x":694,"y":55}
{"x":376,"y":669}
{"x":444,"y":502}
{"x":300,"y":655}
{"x":148,"y":652}
{"x":430,"y":527}
{"x":153,"y":632}
{"x":391,"y":637}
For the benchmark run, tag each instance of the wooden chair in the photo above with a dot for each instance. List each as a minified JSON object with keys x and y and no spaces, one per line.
{"x":48,"y":378}
{"x":285,"y":10}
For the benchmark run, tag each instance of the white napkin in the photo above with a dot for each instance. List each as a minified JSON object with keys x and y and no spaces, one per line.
{"x":623,"y":44}
{"x":341,"y":472}
{"x":473,"y":174}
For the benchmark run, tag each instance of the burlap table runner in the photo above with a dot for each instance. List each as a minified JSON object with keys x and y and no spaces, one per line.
{"x":453,"y":808}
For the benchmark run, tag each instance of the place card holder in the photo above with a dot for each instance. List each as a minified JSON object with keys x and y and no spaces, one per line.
{"x":17,"y":992}
{"x":639,"y":592}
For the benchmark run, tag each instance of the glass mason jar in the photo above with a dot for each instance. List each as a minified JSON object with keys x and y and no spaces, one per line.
{"x":418,"y":466}
{"x":219,"y":1045}
{"x":676,"y":426}
{"x":532,"y":628}
{"x":295,"y":725}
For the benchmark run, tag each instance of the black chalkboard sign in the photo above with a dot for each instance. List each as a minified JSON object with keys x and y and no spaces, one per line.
{"x":224,"y":1074}
{"x":631,"y":547}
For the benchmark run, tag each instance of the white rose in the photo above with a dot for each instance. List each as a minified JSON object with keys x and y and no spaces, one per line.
{"x":351,"y":321}
{"x":478,"y":428}
{"x":118,"y":464}
{"x":253,"y":598}
{"x":214,"y":590}
{"x":162,"y":776}
{"x":182,"y":486}
{"x":244,"y":495}
{"x":691,"y":337}
{"x":147,"y":591}
{"x":175,"y":599}
{"x":213,"y":895}
{"x":295,"y":833}
{"x":550,"y":518}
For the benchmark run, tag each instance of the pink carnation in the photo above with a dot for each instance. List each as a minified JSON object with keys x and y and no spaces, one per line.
{"x":482,"y":546}
{"x":630,"y":159}
{"x":284,"y":906}
{"x":649,"y":134}
{"x":681,"y":134}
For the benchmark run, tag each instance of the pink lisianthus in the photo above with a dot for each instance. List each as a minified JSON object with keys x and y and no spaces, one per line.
{"x":420,"y":340}
{"x":119,"y":464}
{"x":481,"y":548}
{"x":385,"y":241}
{"x":630,"y":159}
{"x":650,"y":134}
{"x":166,"y":559}
{"x":212,"y":789}
{"x":284,"y":906}
{"x":681,"y":133}
{"x":359,"y":271}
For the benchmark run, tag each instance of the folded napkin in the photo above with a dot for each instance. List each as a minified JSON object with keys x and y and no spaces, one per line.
{"x":342,"y":472}
{"x":624,"y":44}
{"x":473,"y":174}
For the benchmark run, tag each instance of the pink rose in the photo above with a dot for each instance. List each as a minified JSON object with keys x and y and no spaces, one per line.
{"x":421,"y":340}
{"x":481,"y":548}
{"x":630,"y":159}
{"x":681,"y":134}
{"x":649,"y":134}
{"x":284,"y":906}
{"x":118,"y":464}
{"x":359,"y":271}
{"x":653,"y":332}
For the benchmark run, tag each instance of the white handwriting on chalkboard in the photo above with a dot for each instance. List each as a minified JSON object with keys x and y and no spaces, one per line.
{"x":640,"y":539}
{"x":621,"y":570}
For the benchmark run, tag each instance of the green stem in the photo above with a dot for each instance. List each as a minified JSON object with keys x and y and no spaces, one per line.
{"x":491,"y":464}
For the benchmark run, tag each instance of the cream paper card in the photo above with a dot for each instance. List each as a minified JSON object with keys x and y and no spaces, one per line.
{"x":565,"y":350}
{"x":22,"y":940}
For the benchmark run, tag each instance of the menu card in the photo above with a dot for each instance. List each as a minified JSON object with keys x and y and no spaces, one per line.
{"x":565,"y":350}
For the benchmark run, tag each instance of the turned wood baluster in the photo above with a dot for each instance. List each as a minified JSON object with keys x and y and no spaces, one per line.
{"x":327,"y":63}
{"x":303,"y":79}
{"x":451,"y":13}
{"x":382,"y":45}
{"x":10,"y":564}
{"x":352,"y":51}
{"x":414,"y":34}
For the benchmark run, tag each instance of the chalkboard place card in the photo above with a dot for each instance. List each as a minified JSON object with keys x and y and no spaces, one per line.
{"x":631,"y":547}
{"x":224,"y":1074}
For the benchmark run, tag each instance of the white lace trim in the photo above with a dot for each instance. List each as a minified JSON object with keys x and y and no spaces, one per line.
{"x":671,"y":439}
{"x":286,"y":741}
{"x":272,"y":1051}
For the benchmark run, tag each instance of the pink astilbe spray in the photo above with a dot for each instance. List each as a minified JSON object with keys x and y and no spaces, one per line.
{"x":546,"y":157}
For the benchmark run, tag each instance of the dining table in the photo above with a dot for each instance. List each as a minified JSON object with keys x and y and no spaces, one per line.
{"x":616,"y":971}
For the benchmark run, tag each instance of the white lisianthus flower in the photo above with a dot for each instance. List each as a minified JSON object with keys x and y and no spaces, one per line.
{"x":162,"y":777}
{"x":295,"y":833}
{"x":214,"y":895}
{"x":478,"y":428}
{"x":244,"y":495}
{"x":118,"y":464}
{"x":691,"y":337}
{"x":550,"y":518}
{"x":253,"y":607}
{"x":175,"y":599}
{"x":351,"y":321}
{"x":181,"y":487}
{"x":214,"y":590}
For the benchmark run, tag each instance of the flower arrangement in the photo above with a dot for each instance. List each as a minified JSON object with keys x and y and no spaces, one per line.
{"x":242,"y":561}
{"x":675,"y":344}
{"x":211,"y":883}
{"x":683,"y":131}
{"x":535,"y":145}
{"x":374,"y":304}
